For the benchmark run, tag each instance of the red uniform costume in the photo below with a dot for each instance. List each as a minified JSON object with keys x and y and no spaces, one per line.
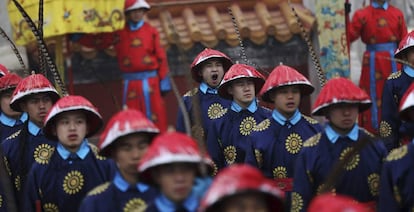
{"x":143,"y":63}
{"x":381,"y":28}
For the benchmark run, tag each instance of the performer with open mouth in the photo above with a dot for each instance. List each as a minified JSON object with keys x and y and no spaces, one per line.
{"x":208,"y":69}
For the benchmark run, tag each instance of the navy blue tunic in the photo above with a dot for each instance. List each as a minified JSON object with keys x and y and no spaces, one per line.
{"x":111,"y":196}
{"x":392,"y":129}
{"x":361,"y":175}
{"x":212,"y":106}
{"x":227,"y":139}
{"x":62,"y":184}
{"x":21,"y":149}
{"x":9,"y":125}
{"x":397,"y":184}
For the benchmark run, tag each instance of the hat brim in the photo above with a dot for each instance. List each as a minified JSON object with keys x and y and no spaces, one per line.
{"x":94,"y":123}
{"x":305,"y":90}
{"x":322,"y":110}
{"x":146,"y":170}
{"x":223,"y":89}
{"x":15,"y":105}
{"x":195,"y":71}
{"x":107,"y":150}
{"x":274,"y":202}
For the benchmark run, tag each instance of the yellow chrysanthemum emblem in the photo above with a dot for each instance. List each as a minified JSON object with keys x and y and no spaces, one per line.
{"x":297,"y":202}
{"x":259,"y":157}
{"x":279,"y":172}
{"x":394,"y":75}
{"x":73,"y":182}
{"x":230,"y":154}
{"x":397,"y":194}
{"x":135,"y":205}
{"x":216,"y":111}
{"x":50,"y":207}
{"x":247,"y":125}
{"x":293,"y":143}
{"x":1,"y":201}
{"x":397,"y":154}
{"x":373,"y":183}
{"x":99,"y":189}
{"x":312,"y":141}
{"x":95,"y":151}
{"x":310,"y":120}
{"x":42,"y":153}
{"x":353,"y":162}
{"x":385,"y":129}
{"x":262,"y":125}
{"x":17,"y":183}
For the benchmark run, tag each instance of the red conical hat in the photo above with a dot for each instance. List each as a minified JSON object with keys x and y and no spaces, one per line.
{"x":340,"y":90}
{"x":240,"y":179}
{"x":283,"y":75}
{"x":407,"y":102}
{"x":238,"y":71}
{"x":35,"y":83}
{"x":73,"y":103}
{"x":123,"y":123}
{"x":167,"y":148}
{"x":405,"y":43}
{"x":136,"y":4}
{"x":335,"y":202}
{"x":205,"y":55}
{"x":9,"y":81}
{"x":3,"y":70}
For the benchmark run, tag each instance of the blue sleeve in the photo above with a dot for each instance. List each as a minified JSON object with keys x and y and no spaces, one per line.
{"x":31,"y":197}
{"x":251,"y":153}
{"x":303,"y":186}
{"x":165,"y":84}
{"x":180,"y":126}
{"x":390,"y":121}
{"x":387,"y":201}
{"x":214,"y":147}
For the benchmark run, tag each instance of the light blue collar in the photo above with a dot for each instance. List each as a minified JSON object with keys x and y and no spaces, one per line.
{"x":252,"y":107}
{"x":333,"y":135}
{"x":11,"y":122}
{"x":135,"y":26}
{"x":82,"y":151}
{"x":34,"y":129}
{"x":408,"y":70}
{"x":123,"y":185}
{"x":279,"y":118}
{"x":377,"y":6}
{"x":207,"y":89}
{"x":166,"y":205}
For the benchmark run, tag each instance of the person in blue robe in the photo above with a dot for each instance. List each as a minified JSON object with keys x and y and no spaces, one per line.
{"x":74,"y":168}
{"x":276,"y":141}
{"x":203,"y":104}
{"x":227,"y":136}
{"x":397,"y":186}
{"x":125,"y":139}
{"x":9,"y":118}
{"x":393,"y":130}
{"x":175,"y":165}
{"x":34,"y":95}
{"x":343,"y":159}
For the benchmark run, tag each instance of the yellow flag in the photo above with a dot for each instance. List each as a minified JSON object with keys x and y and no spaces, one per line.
{"x":67,"y":16}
